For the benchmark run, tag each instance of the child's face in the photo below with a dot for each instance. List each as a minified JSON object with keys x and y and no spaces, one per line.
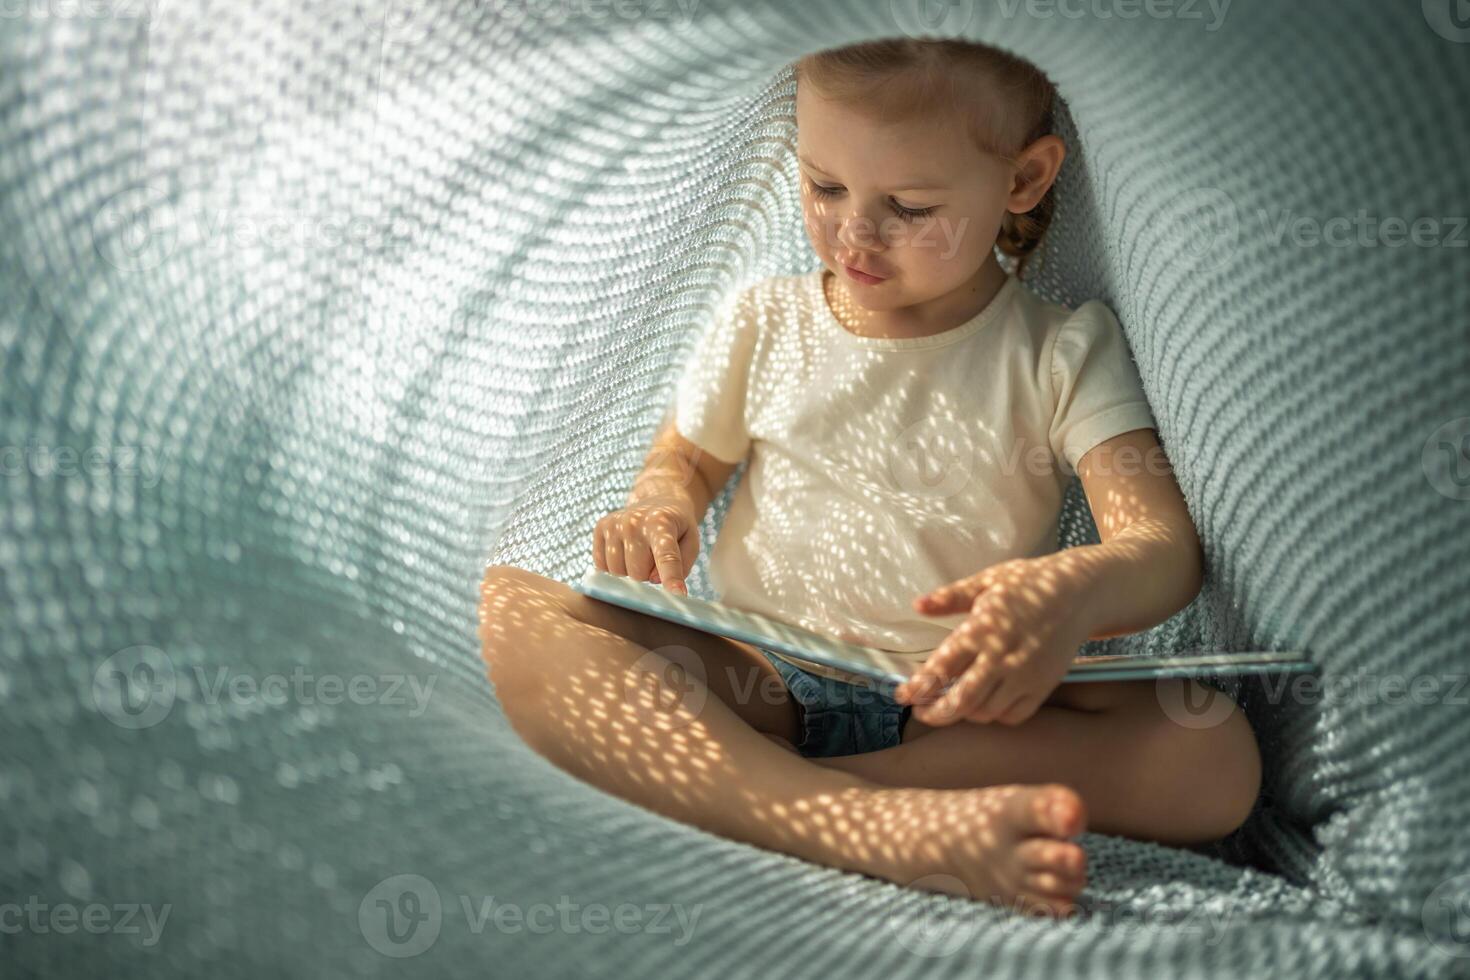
{"x":876,"y":172}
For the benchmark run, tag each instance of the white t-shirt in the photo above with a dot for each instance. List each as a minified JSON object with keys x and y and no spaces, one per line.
{"x":882,"y":468}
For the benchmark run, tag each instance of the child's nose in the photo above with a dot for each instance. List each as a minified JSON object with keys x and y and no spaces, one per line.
{"x":859,"y":232}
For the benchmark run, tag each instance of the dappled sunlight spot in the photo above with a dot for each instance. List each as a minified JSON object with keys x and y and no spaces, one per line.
{"x":601,"y":718}
{"x":836,"y":532}
{"x":619,"y":716}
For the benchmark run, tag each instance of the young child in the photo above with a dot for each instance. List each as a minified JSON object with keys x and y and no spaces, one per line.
{"x":911,"y":414}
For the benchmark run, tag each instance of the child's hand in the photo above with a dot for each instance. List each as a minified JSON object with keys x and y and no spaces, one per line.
{"x":1001,"y":664}
{"x":653,"y":540}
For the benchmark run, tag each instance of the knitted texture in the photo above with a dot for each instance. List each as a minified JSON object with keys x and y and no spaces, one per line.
{"x":309,"y":311}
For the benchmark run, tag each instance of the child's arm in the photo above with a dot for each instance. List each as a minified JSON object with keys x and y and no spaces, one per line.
{"x":675,"y":466}
{"x":655,"y":535}
{"x":1150,"y":563}
{"x":1027,"y":617}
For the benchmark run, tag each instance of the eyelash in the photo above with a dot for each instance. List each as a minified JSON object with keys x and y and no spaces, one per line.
{"x":907,"y":214}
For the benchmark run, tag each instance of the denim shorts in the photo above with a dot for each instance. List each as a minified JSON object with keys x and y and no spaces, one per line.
{"x":838,"y":718}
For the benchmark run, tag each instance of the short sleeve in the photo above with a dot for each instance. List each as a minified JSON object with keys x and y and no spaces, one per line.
{"x":1096,"y":388}
{"x":709,"y":403}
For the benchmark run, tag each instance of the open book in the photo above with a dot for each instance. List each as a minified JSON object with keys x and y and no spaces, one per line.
{"x":891,"y":669}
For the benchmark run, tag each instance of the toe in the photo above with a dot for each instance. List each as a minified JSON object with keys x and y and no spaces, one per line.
{"x":1062,"y":857}
{"x":1056,"y":811}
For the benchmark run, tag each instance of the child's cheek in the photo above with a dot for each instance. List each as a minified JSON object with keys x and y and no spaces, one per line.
{"x":819,"y":228}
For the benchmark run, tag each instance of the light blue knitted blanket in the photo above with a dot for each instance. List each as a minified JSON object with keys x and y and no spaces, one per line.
{"x":309,"y":310}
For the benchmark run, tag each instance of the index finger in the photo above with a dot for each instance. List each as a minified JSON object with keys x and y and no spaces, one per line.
{"x":666,"y":557}
{"x":947,"y":662}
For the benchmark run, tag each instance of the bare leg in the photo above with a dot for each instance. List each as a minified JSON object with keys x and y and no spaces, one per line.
{"x":1143,"y":768}
{"x":611,"y":712}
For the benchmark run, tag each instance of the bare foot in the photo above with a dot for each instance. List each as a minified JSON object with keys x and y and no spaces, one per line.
{"x":1002,"y":844}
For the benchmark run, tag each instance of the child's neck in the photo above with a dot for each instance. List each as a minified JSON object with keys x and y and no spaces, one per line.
{"x":925,"y":319}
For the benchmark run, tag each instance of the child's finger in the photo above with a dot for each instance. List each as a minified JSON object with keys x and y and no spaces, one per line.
{"x":940,"y":603}
{"x":948,"y":599}
{"x":990,"y":699}
{"x":1022,"y":708}
{"x":638,"y":556}
{"x":598,"y":536}
{"x":613,"y":552}
{"x":948,"y":660}
{"x":918,"y":688}
{"x":972,"y":689}
{"x":666,"y":556}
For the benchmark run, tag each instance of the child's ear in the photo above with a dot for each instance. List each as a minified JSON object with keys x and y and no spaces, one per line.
{"x":1037,"y":167}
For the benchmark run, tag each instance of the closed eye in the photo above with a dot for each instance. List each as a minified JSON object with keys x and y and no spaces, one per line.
{"x":907,"y":214}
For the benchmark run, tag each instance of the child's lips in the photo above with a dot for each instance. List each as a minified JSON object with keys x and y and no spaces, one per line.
{"x":867,"y":279}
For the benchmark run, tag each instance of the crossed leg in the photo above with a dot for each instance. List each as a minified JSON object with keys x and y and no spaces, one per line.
{"x":699,"y":728}
{"x":1146,"y":765}
{"x":638,"y":707}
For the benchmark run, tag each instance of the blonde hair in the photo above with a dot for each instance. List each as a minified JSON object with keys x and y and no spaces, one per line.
{"x":893,"y":76}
